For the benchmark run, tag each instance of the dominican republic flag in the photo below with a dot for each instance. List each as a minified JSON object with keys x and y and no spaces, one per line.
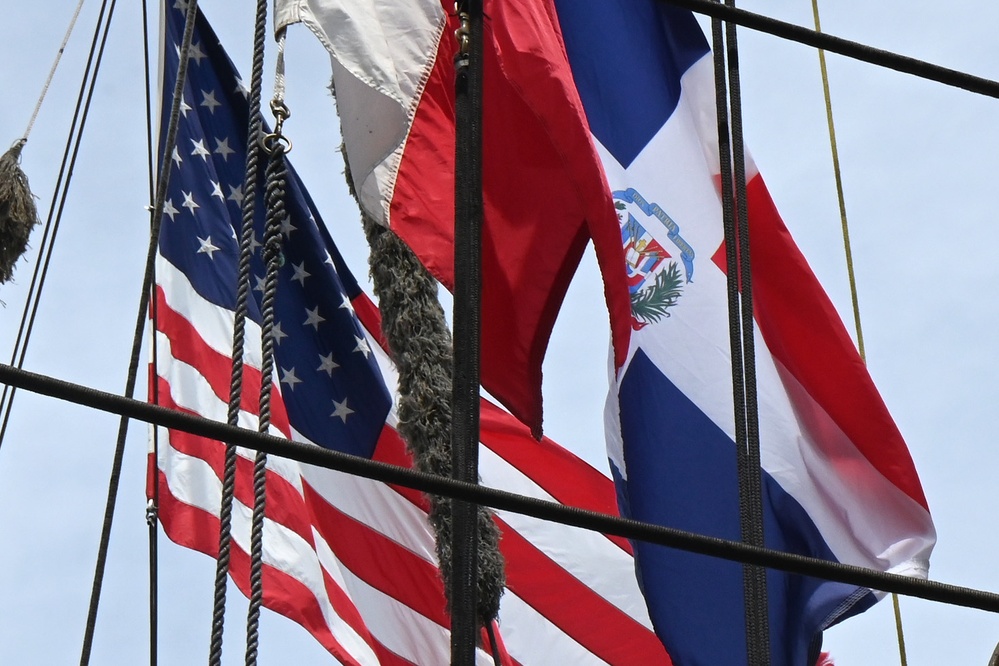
{"x":625,"y":88}
{"x":838,"y":482}
{"x":349,"y":559}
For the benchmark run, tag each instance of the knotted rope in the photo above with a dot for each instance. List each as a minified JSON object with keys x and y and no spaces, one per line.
{"x":420,"y":345}
{"x":18,"y":215}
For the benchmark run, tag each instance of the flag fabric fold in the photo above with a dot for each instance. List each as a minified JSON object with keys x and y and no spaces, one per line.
{"x":544,"y":193}
{"x":838,"y":481}
{"x":351,"y":560}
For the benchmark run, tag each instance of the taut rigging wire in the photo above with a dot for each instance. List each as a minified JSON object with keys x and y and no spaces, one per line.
{"x":152,"y":507}
{"x":847,"y":248}
{"x":844,"y":47}
{"x":53,"y":220}
{"x":310,"y":454}
{"x":140,"y":325}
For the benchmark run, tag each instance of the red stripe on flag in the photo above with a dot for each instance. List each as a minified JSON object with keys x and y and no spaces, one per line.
{"x":194,"y":528}
{"x":391,"y":449}
{"x":562,"y":475}
{"x":796,"y":317}
{"x":188,"y":346}
{"x":588,"y":618}
{"x":379,"y":561}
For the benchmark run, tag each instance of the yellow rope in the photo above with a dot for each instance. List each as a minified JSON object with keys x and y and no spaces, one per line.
{"x":849,"y":267}
{"x":839,"y":189}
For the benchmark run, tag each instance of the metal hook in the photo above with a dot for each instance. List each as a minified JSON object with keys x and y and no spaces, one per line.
{"x":270,"y":142}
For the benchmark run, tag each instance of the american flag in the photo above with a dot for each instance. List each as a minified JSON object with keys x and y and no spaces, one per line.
{"x":349,"y":559}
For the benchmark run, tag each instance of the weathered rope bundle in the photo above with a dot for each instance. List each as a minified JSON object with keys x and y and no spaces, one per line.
{"x":18,"y":214}
{"x":420,"y":344}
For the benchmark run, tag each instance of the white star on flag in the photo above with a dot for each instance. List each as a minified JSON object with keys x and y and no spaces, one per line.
{"x":199,"y":149}
{"x":207,"y":247}
{"x":362,"y":346}
{"x":300,"y":273}
{"x":209,"y":100}
{"x":327,"y":364}
{"x":313,"y":318}
{"x":342,"y":411}
{"x":189,"y":202}
{"x":288,"y":377}
{"x":217,"y":190}
{"x":222,"y":148}
{"x":278,"y":334}
{"x":168,"y":209}
{"x":236,"y":194}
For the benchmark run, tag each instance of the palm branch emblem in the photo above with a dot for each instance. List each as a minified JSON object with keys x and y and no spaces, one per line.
{"x":651,"y":304}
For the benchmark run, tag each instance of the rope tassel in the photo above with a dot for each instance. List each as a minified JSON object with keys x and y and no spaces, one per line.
{"x":18,"y":214}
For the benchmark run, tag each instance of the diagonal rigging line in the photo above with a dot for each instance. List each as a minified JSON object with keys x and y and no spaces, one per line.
{"x":844,"y":47}
{"x":500,"y":499}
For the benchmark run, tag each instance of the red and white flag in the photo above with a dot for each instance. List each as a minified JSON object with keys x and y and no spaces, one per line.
{"x":544,"y":191}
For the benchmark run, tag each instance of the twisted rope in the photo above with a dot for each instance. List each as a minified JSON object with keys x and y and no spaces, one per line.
{"x":52,"y":71}
{"x":254,"y":132}
{"x":276,"y":182}
{"x":740,"y":312}
{"x":420,"y":345}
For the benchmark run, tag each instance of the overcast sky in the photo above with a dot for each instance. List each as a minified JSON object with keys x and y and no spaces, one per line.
{"x":918,"y":165}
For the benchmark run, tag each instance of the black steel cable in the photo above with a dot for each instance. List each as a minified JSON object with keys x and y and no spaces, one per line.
{"x":498,"y":499}
{"x":844,"y":47}
{"x":53,"y":219}
{"x":164,"y":177}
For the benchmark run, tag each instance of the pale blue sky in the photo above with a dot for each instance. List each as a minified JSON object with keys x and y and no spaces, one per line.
{"x":918,"y":166}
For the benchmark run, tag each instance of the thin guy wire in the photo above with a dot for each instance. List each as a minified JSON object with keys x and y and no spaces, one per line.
{"x":152,"y":508}
{"x":310,"y":454}
{"x":900,"y":634}
{"x":139,"y":326}
{"x":52,"y":221}
{"x":839,"y":189}
{"x":276,"y":170}
{"x":239,"y":331}
{"x":52,"y":71}
{"x":898,"y":629}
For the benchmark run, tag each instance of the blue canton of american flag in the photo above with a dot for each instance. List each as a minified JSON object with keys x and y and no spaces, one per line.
{"x":331,"y":386}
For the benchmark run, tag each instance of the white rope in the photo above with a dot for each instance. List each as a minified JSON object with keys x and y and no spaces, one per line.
{"x":55,"y":64}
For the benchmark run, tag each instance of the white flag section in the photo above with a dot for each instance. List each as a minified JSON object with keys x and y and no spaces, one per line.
{"x":351,"y":560}
{"x":376,"y":98}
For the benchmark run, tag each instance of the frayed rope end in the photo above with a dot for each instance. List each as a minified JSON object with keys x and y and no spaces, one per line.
{"x":18,"y":215}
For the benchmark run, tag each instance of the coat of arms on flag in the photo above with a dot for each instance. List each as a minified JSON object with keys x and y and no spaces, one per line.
{"x":654,"y":285}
